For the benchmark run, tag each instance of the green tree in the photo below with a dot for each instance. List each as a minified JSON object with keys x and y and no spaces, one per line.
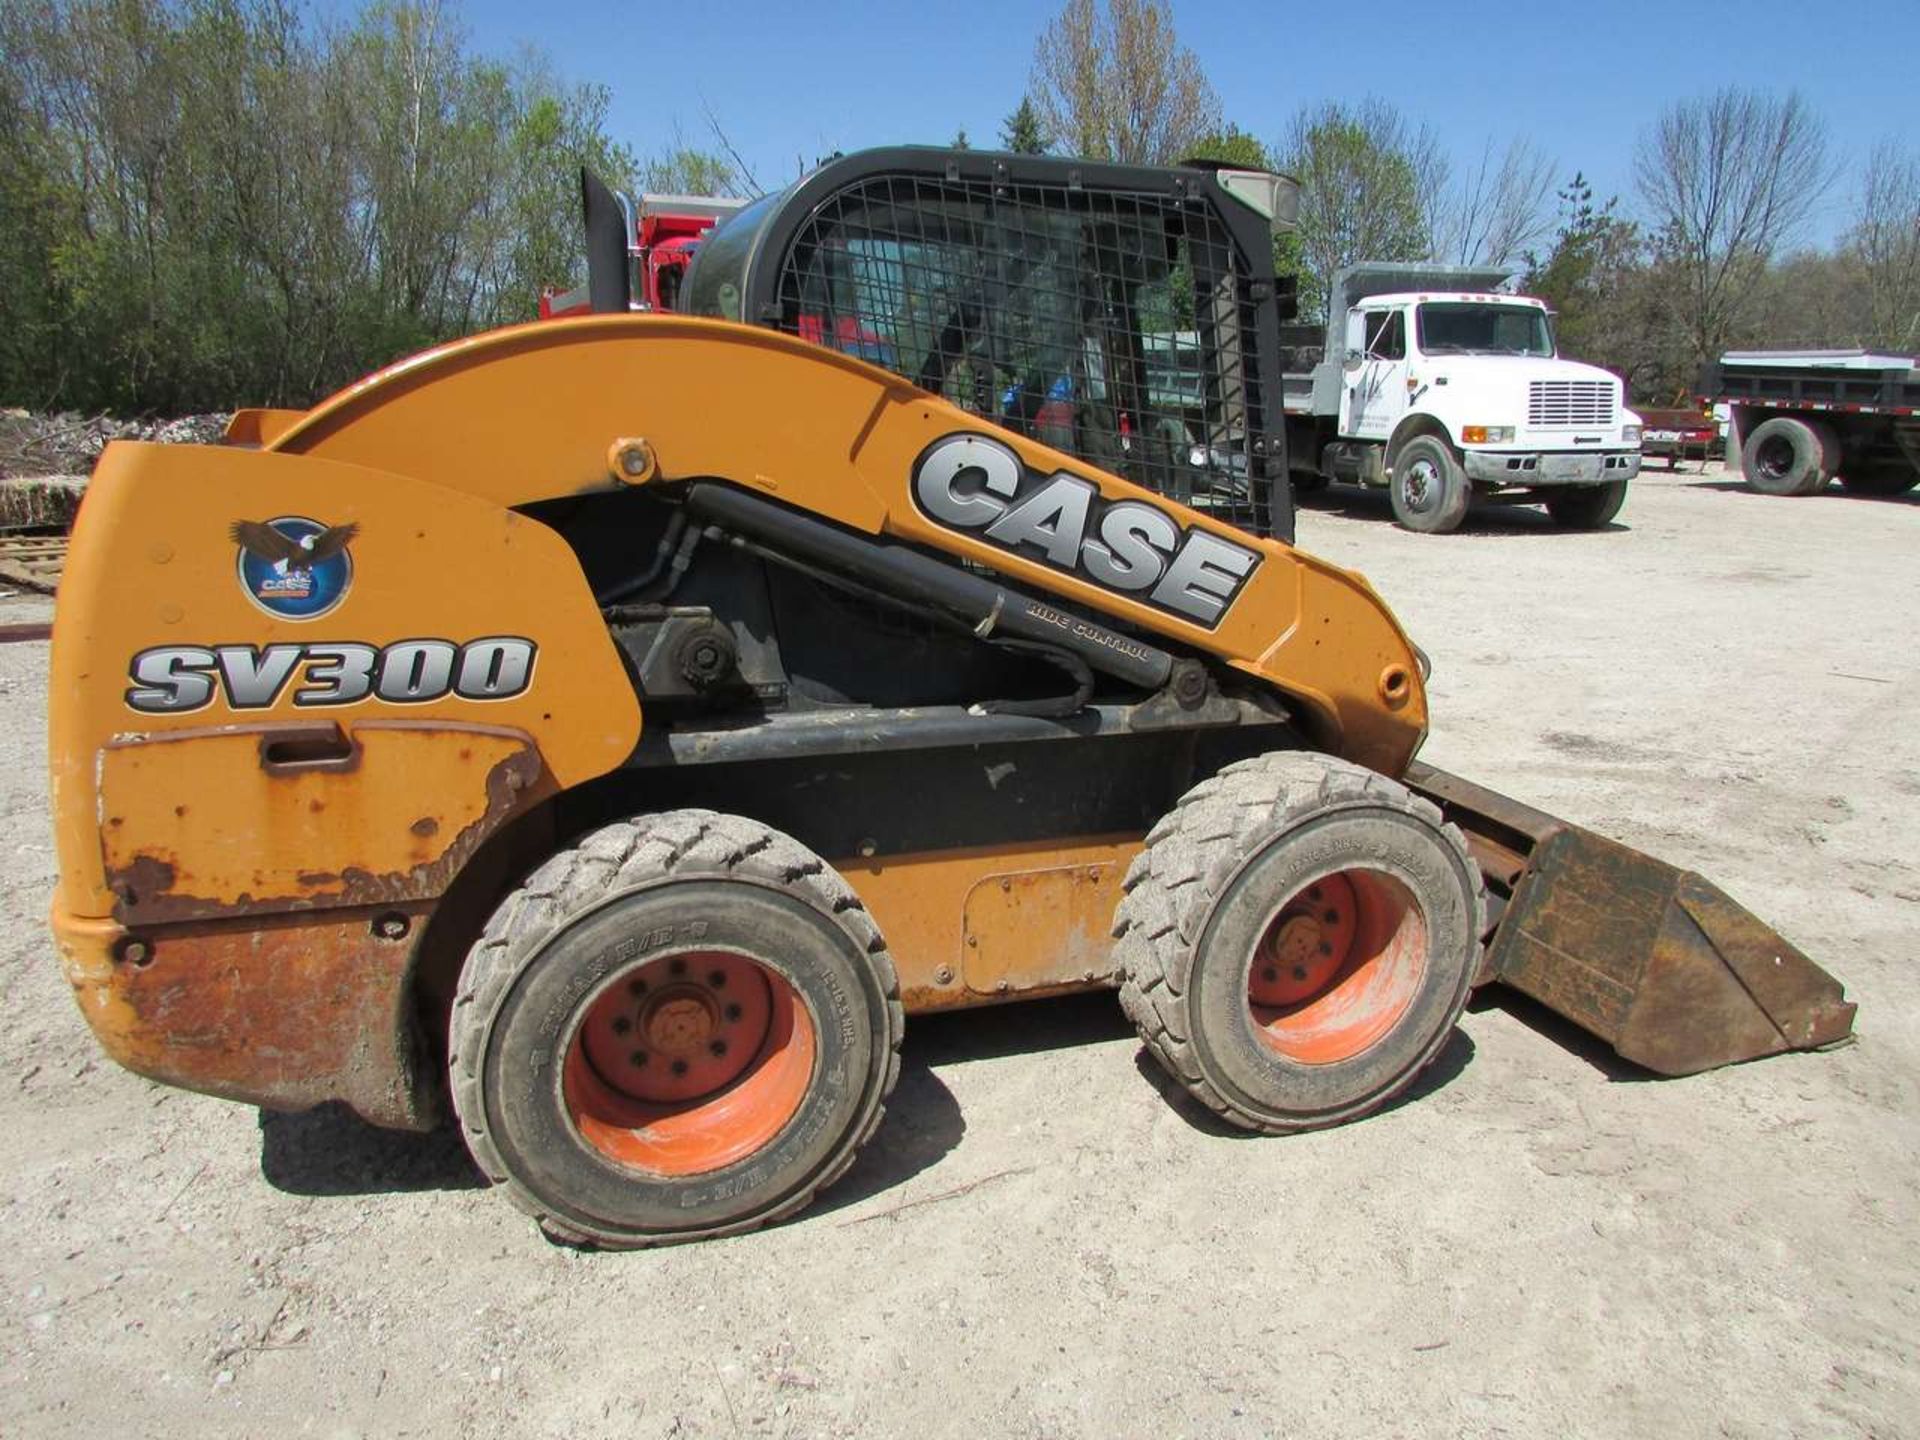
{"x":1020,"y":132}
{"x":1365,"y":178}
{"x":206,"y":203}
{"x":1231,"y":146}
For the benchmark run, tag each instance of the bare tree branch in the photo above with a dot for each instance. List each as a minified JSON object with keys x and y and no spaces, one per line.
{"x":1727,"y":180}
{"x":1498,"y":210}
{"x":1115,"y":83}
{"x":1886,"y":236}
{"x":741,"y":168}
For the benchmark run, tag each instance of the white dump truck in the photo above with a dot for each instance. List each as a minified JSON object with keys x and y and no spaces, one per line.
{"x":1430,"y":382}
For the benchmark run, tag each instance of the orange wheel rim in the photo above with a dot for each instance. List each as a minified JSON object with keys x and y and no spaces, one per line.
{"x":1337,"y":967}
{"x":688,"y":1063}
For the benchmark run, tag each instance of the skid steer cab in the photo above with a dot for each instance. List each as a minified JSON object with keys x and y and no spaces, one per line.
{"x":618,"y":725}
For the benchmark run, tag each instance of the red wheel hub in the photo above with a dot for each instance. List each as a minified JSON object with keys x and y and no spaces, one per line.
{"x":689,"y":1062}
{"x":679,"y":1027}
{"x":1337,"y":967}
{"x":1306,"y":944}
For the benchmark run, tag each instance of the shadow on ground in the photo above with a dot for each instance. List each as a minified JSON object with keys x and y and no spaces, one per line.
{"x":1360,"y":502}
{"x":330,"y":1151}
{"x":1836,"y":491}
{"x":1561,"y":1031}
{"x":1453,"y":1059}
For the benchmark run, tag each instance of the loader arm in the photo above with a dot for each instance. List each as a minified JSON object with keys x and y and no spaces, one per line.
{"x":527,"y":414}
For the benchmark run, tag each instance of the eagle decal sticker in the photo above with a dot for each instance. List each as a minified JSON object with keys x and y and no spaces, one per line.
{"x":292,"y":567}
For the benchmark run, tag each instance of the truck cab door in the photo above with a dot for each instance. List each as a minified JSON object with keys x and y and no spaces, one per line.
{"x":1374,"y":395}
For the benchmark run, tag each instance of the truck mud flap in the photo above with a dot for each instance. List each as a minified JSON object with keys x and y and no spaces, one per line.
{"x":1657,"y":961}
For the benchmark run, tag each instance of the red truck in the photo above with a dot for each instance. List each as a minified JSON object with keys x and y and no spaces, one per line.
{"x":1677,"y":434}
{"x":663,"y":233}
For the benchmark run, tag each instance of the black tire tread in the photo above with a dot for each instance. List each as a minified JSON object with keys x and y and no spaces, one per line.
{"x":1191,"y":855}
{"x":675,"y":844}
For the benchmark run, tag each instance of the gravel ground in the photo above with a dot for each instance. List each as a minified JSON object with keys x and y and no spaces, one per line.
{"x":1040,"y":1242}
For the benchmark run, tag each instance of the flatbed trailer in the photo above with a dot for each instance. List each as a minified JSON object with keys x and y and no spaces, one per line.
{"x":1800,"y":419}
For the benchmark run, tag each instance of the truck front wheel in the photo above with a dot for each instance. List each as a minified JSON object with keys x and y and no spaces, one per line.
{"x":1785,"y":456}
{"x":1429,"y":488}
{"x":1586,"y":507}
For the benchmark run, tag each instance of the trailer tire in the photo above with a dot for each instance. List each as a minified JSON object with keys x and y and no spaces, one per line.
{"x":1886,"y":477}
{"x":1786,"y":456}
{"x":684,"y":1025}
{"x":1297,"y":939}
{"x":1429,"y":488}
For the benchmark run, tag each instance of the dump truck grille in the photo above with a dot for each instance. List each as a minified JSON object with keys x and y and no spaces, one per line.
{"x":1569,"y":404}
{"x":1116,"y":325}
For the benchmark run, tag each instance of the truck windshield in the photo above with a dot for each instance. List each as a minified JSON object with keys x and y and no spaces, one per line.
{"x":1459,"y":327}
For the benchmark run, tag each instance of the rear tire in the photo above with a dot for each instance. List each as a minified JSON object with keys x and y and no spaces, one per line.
{"x":685,"y":1025}
{"x":1785,"y":456}
{"x":1429,"y":487}
{"x":1297,"y":940}
{"x":1586,"y":507}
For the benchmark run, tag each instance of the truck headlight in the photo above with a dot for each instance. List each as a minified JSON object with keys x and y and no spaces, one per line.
{"x":1630,"y":434}
{"x":1485,"y":434}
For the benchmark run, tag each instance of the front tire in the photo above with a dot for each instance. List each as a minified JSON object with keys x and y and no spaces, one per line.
{"x":1297,"y":940}
{"x":1586,"y":507}
{"x":683,"y":1026}
{"x":1429,"y":488}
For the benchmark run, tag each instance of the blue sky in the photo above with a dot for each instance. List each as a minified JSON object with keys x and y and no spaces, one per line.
{"x":795,"y":81}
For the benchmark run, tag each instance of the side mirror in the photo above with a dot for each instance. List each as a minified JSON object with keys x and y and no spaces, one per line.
{"x":1354,"y":357}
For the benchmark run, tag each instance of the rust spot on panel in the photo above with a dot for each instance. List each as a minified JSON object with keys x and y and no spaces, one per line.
{"x":284,"y":1014}
{"x":148,"y":877}
{"x":374,"y":848}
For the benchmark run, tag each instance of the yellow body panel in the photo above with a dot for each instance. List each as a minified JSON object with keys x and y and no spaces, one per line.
{"x":962,"y":923}
{"x":152,"y":565}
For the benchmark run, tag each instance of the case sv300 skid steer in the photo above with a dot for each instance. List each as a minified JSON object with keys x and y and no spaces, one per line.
{"x":618,"y":725}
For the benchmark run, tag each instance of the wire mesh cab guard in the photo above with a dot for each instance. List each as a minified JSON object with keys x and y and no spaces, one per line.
{"x":1118,"y":313}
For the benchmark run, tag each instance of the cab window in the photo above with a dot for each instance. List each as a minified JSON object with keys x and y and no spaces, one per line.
{"x":1386,"y":335}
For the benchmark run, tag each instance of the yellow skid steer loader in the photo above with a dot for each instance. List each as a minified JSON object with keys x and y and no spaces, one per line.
{"x":618,"y":725}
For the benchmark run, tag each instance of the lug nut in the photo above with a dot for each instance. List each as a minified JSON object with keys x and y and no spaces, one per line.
{"x":679,"y":1067}
{"x":637,"y":1058}
{"x":621,"y":1024}
{"x":636,"y":987}
{"x":718,"y":1047}
{"x":1299,"y":972}
{"x":1269,"y":973}
{"x":677,"y":967}
{"x":391,"y":927}
{"x":734,"y":1012}
{"x":718,"y":980}
{"x":1325,"y":948}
